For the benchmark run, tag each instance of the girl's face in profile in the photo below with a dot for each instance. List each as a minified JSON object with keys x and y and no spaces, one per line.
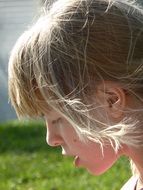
{"x":88,"y":155}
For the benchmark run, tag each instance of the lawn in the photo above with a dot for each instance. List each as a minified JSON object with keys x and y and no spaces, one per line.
{"x":28,"y":163}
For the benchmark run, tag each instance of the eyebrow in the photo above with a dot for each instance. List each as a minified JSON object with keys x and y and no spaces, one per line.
{"x":48,"y":113}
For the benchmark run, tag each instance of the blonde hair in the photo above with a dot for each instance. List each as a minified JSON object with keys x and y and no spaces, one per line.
{"x":57,"y":63}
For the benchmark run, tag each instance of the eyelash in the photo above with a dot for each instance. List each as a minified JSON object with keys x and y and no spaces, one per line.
{"x":57,"y":121}
{"x":42,"y":115}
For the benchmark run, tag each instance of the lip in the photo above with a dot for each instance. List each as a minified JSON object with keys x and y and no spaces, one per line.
{"x":66,"y":153}
{"x":77,"y":161}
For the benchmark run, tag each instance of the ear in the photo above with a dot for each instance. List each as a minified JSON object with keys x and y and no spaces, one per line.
{"x":113,"y":96}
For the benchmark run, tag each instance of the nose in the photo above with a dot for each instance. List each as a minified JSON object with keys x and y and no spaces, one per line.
{"x":53,"y":137}
{"x":53,"y":140}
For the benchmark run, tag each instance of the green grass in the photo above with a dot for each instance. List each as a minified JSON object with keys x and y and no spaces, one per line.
{"x":28,"y":163}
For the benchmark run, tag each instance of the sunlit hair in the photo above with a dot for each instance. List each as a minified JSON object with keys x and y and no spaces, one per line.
{"x":74,"y":45}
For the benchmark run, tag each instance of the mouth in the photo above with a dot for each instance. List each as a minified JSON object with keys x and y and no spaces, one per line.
{"x":76,"y":158}
{"x":76,"y":161}
{"x":66,"y":153}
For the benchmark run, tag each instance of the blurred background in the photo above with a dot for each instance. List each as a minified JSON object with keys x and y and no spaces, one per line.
{"x":15,"y":17}
{"x":26,"y":161}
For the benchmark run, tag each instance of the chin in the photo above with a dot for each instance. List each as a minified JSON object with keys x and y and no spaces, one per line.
{"x":96,"y":172}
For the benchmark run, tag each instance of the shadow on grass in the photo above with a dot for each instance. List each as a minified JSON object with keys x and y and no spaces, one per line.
{"x":24,"y":136}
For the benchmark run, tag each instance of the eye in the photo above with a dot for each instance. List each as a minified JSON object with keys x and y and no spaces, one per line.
{"x":57,"y":121}
{"x":42,"y":116}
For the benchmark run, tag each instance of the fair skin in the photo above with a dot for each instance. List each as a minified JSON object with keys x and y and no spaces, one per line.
{"x":89,"y":155}
{"x":65,"y":136}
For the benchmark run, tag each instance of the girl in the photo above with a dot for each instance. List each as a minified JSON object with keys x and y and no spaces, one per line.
{"x":80,"y":65}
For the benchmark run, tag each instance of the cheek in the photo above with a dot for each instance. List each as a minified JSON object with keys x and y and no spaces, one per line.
{"x":71,"y":139}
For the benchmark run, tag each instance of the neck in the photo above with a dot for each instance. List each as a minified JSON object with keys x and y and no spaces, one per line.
{"x":137,"y":159}
{"x":140,"y":176}
{"x":138,"y":162}
{"x":139,"y":184}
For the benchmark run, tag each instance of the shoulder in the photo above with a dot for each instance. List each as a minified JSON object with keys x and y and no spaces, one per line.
{"x":131,"y":183}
